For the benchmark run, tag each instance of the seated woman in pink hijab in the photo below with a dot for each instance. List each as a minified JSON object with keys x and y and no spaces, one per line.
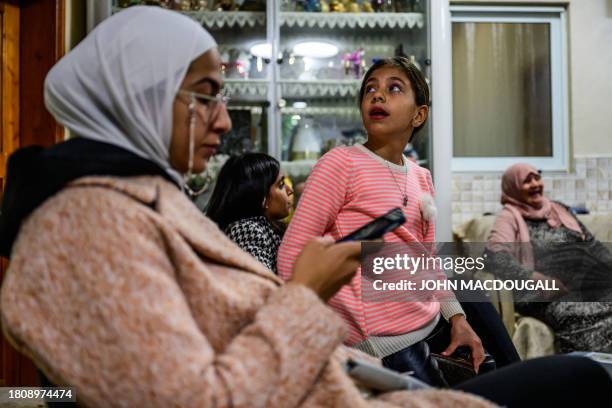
{"x":535,"y":238}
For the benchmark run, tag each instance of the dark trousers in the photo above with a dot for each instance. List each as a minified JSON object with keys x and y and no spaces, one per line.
{"x":487,"y":324}
{"x":557,"y":381}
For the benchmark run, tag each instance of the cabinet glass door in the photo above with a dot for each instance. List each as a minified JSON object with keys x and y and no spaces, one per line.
{"x":240,"y":29}
{"x":302,"y":102}
{"x":326,"y":48}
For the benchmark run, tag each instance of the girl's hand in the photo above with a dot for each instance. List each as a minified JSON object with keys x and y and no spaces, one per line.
{"x":462,"y":334}
{"x":325,"y":266}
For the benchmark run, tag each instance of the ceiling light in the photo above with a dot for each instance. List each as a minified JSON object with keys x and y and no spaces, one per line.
{"x":315,"y":49}
{"x":262,"y":50}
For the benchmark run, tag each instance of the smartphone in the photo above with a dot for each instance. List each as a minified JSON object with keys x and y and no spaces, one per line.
{"x":382,"y":379}
{"x":377,"y":228}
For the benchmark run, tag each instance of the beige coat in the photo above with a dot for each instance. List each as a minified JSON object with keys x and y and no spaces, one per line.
{"x":124,"y":290}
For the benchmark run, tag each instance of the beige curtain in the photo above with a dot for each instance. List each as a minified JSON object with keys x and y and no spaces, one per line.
{"x":501,"y":90}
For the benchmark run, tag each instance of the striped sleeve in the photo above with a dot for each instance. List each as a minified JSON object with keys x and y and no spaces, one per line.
{"x":324,"y":195}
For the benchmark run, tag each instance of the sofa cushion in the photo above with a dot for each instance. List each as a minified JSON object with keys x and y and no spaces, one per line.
{"x":477,"y":229}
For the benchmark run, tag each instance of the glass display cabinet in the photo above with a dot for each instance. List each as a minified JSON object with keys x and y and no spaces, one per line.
{"x":293,"y":69}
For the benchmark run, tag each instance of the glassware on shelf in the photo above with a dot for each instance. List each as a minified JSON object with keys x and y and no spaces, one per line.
{"x":224,"y":5}
{"x":236,"y":64}
{"x":306,"y":143}
{"x":252,"y":5}
{"x":403,"y":6}
{"x":199,"y":5}
{"x":287,"y":5}
{"x":383,"y":6}
{"x":257,"y":68}
{"x":181,"y":5}
{"x":292,"y":65}
{"x":418,"y":6}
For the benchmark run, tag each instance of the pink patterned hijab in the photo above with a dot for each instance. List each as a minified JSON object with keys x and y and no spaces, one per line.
{"x":510,"y":226}
{"x":555,"y":214}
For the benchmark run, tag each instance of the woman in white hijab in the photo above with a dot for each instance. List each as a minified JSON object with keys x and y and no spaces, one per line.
{"x":119,"y":287}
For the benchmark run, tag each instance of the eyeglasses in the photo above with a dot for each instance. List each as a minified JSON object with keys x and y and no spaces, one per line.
{"x":222,"y":97}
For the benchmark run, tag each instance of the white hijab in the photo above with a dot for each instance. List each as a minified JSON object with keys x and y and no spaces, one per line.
{"x":118,"y":85}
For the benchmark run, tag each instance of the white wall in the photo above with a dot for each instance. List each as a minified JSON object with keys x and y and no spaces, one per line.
{"x":590,"y":59}
{"x":591,"y":76}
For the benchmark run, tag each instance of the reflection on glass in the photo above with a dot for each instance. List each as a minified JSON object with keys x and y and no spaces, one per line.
{"x":501,"y":90}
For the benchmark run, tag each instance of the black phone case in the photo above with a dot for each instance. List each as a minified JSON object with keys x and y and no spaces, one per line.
{"x":377,"y":228}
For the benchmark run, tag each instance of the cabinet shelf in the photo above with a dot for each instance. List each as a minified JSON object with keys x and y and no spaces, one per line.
{"x":246,"y":87}
{"x":342,"y":112}
{"x":222,"y":19}
{"x":295,"y":88}
{"x":351,"y":20}
{"x":229,"y":19}
{"x":320,"y":88}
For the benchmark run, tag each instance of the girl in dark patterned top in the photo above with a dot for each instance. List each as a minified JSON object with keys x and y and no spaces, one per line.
{"x":249,"y":200}
{"x":535,"y":238}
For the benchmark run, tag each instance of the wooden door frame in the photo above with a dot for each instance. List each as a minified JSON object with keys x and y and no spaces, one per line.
{"x":41,"y":46}
{"x":10,"y":82}
{"x":10,"y":361}
{"x":27,"y":56}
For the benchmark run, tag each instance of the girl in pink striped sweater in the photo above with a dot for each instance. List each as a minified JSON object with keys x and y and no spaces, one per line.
{"x":352,"y":185}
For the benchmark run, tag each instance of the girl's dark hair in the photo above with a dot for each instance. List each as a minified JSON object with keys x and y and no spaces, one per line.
{"x":242,"y":185}
{"x":414,"y":75}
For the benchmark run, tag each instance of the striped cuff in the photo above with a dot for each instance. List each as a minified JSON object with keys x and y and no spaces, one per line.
{"x":451,"y":308}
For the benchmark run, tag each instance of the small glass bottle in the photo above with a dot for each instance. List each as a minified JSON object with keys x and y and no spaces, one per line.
{"x":403,"y":6}
{"x":417,"y":6}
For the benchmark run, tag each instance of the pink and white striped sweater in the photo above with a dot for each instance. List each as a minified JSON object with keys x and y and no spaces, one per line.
{"x":349,"y":187}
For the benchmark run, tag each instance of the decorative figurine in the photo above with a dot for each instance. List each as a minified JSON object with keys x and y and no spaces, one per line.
{"x":383,"y":6}
{"x":336,"y":6}
{"x":351,"y":6}
{"x":367,"y":7}
{"x":224,"y":5}
{"x":354,"y":61}
{"x":312,"y":5}
{"x":199,"y":5}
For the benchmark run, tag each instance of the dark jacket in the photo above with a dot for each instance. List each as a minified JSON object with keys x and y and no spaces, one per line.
{"x":258,"y":237}
{"x":35,"y":174}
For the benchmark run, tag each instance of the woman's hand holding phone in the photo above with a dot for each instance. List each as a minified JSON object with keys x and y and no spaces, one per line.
{"x":325,"y":266}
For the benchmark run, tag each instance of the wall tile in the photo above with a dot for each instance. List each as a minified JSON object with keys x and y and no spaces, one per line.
{"x":589,"y":185}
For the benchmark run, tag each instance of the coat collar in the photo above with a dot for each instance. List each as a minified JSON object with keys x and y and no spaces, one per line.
{"x":177,"y":210}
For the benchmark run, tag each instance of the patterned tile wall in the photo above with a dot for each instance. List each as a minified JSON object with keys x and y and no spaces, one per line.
{"x":589,"y":186}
